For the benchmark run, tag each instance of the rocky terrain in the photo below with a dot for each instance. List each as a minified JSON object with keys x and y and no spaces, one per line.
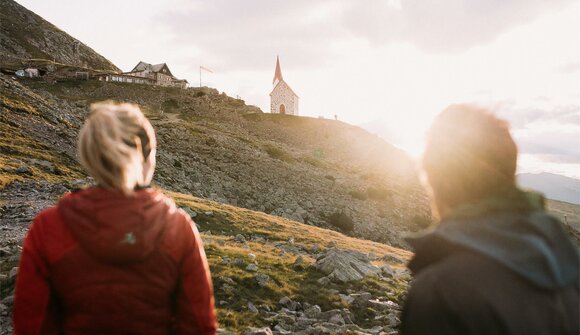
{"x":270,"y":274}
{"x":24,"y":35}
{"x":269,"y":271}
{"x":302,"y":219}
{"x":319,"y":172}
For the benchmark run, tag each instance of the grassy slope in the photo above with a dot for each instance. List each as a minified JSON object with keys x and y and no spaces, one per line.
{"x":20,"y":141}
{"x":25,"y":125}
{"x":297,"y":282}
{"x":567,"y":213}
{"x":211,"y":145}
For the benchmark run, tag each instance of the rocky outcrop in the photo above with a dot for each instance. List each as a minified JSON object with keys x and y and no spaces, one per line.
{"x":345,"y":265}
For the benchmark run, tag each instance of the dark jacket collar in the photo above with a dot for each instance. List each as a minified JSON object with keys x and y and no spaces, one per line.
{"x":525,"y":239}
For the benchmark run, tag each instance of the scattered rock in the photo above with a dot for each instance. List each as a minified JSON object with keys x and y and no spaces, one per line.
{"x":392,"y":258}
{"x":314,"y":249}
{"x":289,"y":303}
{"x":5,"y":251}
{"x":23,"y":170}
{"x":228,"y":280}
{"x":360,"y":300}
{"x":252,"y":308}
{"x":299,"y":261}
{"x":324,"y":281}
{"x":9,"y":300}
{"x":240,"y":238}
{"x":336,"y":319}
{"x":252,"y":267}
{"x":189,"y":211}
{"x":387,"y":271}
{"x":13,"y":273}
{"x":262,"y":279}
{"x":313,"y":312}
{"x":259,"y":331}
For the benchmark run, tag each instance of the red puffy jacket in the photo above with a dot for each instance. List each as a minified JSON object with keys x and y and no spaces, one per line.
{"x":104,"y":263}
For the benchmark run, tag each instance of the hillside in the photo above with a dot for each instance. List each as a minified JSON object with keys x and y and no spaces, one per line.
{"x":554,"y":186}
{"x":25,"y":35}
{"x":264,"y":267}
{"x":216,"y":147}
{"x":283,"y":274}
{"x":569,"y":214}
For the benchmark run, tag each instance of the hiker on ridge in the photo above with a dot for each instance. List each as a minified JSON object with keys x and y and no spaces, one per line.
{"x":118,"y":258}
{"x":497,"y":263}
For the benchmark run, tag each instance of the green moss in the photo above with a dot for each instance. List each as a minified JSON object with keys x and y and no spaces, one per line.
{"x":278,"y":153}
{"x":17,"y":106}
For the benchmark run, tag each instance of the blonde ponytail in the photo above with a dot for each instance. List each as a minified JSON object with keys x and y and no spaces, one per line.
{"x":113,"y":145}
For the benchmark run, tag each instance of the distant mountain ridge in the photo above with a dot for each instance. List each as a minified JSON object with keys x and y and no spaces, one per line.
{"x":25,"y":35}
{"x":554,"y":186}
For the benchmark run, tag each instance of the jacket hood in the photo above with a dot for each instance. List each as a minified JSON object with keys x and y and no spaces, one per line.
{"x":113,"y":227}
{"x":530,"y":243}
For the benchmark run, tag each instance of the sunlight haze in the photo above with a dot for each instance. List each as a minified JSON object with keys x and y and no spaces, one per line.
{"x":388,"y":66}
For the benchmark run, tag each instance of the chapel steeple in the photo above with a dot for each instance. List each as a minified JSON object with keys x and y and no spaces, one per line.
{"x":278,"y":73}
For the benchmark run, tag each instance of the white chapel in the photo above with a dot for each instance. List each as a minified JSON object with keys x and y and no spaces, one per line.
{"x":283,"y":100}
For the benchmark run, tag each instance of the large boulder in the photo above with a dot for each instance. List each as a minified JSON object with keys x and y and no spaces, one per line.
{"x":346,"y":265}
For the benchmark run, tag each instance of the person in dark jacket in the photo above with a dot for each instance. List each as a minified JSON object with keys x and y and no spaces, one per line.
{"x":497,"y":263}
{"x":118,"y":258}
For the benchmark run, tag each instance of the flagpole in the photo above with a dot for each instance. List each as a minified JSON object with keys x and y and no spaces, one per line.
{"x":200,"y":76}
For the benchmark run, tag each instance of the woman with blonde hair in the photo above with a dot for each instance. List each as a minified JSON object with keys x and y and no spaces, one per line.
{"x":117,"y":258}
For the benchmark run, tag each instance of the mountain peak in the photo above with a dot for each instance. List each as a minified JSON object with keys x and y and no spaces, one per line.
{"x":25,"y":35}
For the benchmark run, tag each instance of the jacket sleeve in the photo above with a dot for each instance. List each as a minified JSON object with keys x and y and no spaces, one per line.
{"x":443,"y":304}
{"x":34,"y":305}
{"x":425,"y":313}
{"x":195,"y":302}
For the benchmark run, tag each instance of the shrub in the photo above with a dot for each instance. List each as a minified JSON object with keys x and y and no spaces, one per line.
{"x":312,"y":161}
{"x":169,"y":105}
{"x":358,"y":195}
{"x":341,"y":221}
{"x":377,"y":193}
{"x":278,"y":153}
{"x":421,"y":221}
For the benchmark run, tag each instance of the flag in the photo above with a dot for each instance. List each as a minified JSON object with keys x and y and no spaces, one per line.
{"x":206,"y":69}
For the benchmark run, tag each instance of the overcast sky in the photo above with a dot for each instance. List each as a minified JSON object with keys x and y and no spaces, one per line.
{"x":387,"y":65}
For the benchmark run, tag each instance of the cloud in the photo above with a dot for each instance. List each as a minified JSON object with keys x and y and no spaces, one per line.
{"x":542,"y":112}
{"x":248,"y":35}
{"x":442,"y":25}
{"x":552,"y":141}
{"x":569,"y":68}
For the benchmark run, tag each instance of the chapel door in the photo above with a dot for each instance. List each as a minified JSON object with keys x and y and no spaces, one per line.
{"x":282,"y":109}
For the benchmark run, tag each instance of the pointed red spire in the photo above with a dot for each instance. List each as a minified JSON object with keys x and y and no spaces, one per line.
{"x":278,"y":73}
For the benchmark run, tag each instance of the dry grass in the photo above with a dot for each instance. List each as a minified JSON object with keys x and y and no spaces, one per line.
{"x":233,"y":219}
